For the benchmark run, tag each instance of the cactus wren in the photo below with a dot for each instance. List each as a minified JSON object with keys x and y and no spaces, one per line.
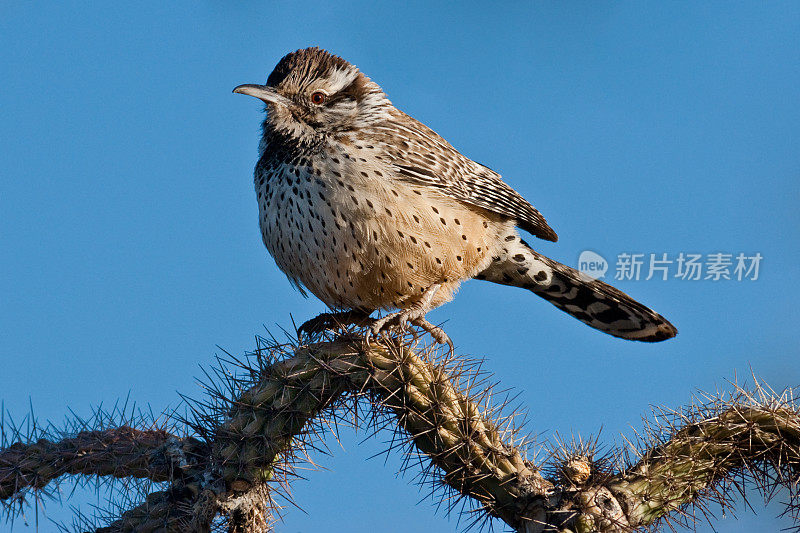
{"x":369,"y":209}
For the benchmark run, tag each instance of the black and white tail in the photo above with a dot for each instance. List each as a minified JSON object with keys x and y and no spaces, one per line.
{"x":593,"y":302}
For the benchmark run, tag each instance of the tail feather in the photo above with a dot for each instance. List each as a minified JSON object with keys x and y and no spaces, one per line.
{"x":593,"y":302}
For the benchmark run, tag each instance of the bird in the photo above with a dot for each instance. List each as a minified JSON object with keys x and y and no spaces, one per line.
{"x":371,"y":210}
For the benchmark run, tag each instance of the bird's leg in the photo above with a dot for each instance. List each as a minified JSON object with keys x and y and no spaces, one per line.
{"x":333,"y":321}
{"x":414,"y":315}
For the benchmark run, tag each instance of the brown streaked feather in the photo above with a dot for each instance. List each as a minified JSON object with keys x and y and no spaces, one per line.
{"x":310,"y":63}
{"x":424,"y":158}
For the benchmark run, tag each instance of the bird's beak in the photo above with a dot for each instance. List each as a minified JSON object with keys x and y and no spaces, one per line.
{"x":262,"y":92}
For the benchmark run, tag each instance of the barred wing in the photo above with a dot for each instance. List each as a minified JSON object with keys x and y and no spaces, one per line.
{"x":424,"y":158}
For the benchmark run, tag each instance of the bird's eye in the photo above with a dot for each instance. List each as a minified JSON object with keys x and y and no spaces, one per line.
{"x":318,"y":98}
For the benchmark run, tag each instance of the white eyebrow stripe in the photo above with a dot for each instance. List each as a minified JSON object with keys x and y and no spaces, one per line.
{"x":341,"y":78}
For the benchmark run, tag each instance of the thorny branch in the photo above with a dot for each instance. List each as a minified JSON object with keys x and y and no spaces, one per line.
{"x":266,"y":414}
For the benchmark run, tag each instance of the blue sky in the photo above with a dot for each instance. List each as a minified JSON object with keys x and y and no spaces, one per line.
{"x":130,"y":246}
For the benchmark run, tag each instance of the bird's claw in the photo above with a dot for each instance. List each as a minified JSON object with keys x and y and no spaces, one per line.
{"x":398,"y":322}
{"x":436,"y":332}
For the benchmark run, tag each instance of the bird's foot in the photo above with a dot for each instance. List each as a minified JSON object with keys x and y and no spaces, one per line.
{"x":436,"y":332}
{"x":415,"y":316}
{"x":333,"y":321}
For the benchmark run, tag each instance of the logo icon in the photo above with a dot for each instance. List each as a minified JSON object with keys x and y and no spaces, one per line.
{"x":592,"y":265}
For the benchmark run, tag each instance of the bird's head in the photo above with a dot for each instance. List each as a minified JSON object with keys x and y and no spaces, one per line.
{"x":311,"y":91}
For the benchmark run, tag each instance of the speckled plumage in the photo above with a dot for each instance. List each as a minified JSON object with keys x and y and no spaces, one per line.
{"x":367,"y":208}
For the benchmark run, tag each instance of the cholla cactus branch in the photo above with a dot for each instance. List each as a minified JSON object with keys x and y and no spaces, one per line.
{"x":443,"y":422}
{"x":690,"y":458}
{"x":161,"y":511}
{"x":758,"y":440}
{"x":453,"y":429}
{"x":264,"y":420}
{"x":122,"y":452}
{"x":257,"y":427}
